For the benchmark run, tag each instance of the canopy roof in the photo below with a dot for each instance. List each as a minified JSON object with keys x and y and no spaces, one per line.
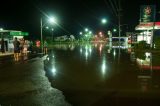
{"x":148,"y":26}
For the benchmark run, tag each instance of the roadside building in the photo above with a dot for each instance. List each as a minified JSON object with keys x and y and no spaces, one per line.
{"x":147,"y":24}
{"x":9,"y":35}
{"x":146,"y":31}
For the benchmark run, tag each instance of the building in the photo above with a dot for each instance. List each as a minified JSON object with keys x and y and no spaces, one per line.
{"x":146,"y":31}
{"x":9,"y":35}
{"x":147,"y":25}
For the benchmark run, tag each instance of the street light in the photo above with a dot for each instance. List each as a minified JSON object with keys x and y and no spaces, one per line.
{"x":51,"y":20}
{"x":90,"y":32}
{"x":47,"y":27}
{"x":104,"y":21}
{"x":52,"y":29}
{"x":114,"y":30}
{"x":1,"y":29}
{"x":80,"y":33}
{"x":86,"y":29}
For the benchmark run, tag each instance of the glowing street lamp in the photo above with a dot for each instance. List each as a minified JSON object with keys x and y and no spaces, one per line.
{"x":47,"y":27}
{"x":80,"y":33}
{"x":86,"y":29}
{"x":104,"y":21}
{"x":1,"y":29}
{"x":114,"y":30}
{"x":90,"y":32}
{"x":51,"y":20}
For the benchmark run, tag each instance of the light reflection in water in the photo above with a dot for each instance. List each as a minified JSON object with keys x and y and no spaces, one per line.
{"x":106,"y":66}
{"x":145,"y":72}
{"x":86,"y":54}
{"x":54,"y":71}
{"x":72,"y":47}
{"x":81,"y":50}
{"x":90,"y":49}
{"x":64,"y":46}
{"x":86,"y":51}
{"x":100,"y":49}
{"x":103,"y":67}
{"x":50,"y":61}
{"x":114,"y":53}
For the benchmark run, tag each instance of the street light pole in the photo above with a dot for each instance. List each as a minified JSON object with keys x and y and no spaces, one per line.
{"x":52,"y":35}
{"x":119,"y":21}
{"x":52,"y":20}
{"x":41,"y":36}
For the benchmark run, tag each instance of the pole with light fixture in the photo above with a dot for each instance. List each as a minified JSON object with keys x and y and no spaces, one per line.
{"x":51,"y":20}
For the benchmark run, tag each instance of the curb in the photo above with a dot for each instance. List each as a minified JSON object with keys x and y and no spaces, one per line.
{"x":5,"y":54}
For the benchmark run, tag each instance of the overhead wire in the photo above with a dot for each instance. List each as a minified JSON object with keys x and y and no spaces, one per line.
{"x":111,"y":8}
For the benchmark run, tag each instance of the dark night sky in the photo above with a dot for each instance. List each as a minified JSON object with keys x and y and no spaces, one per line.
{"x":73,"y":15}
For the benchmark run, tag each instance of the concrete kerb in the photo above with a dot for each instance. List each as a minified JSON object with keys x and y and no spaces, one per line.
{"x":6,"y":54}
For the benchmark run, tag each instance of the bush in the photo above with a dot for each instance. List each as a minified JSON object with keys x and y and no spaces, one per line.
{"x":141,"y":45}
{"x":157,"y":42}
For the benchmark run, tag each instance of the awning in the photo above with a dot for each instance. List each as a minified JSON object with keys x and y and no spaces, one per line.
{"x":148,"y":26}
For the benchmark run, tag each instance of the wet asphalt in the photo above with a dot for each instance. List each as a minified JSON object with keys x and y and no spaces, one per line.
{"x":82,"y":75}
{"x":95,"y":75}
{"x":24,"y":83}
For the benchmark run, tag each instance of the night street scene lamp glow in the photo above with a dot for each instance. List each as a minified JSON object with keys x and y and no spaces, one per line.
{"x":86,"y":29}
{"x":90,"y":32}
{"x":1,"y":29}
{"x":104,"y":21}
{"x":51,"y":20}
{"x":47,"y":27}
{"x":114,"y":30}
{"x":80,"y":33}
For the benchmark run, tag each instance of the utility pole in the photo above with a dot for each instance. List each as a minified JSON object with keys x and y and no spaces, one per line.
{"x":52,"y":35}
{"x":119,"y":20}
{"x":119,"y":28}
{"x":41,"y":43}
{"x":152,"y":35}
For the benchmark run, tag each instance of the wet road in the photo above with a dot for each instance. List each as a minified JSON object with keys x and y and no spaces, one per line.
{"x":97,"y":75}
{"x":23,"y":83}
{"x":9,"y":60}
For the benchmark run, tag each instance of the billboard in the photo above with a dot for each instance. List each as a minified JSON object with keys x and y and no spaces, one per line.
{"x":19,"y":33}
{"x":147,"y":13}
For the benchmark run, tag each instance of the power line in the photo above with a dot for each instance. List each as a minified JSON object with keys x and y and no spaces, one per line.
{"x":111,"y":7}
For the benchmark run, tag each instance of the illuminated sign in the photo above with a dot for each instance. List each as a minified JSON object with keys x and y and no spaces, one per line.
{"x":19,"y":33}
{"x":147,"y":13}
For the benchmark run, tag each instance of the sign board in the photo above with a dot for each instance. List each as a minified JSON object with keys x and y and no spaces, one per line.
{"x":147,"y":13}
{"x":19,"y":33}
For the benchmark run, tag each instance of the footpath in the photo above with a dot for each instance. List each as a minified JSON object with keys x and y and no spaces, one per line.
{"x":6,"y":54}
{"x":26,"y":85}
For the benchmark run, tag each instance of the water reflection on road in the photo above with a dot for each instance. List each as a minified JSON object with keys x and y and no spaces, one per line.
{"x":88,"y":74}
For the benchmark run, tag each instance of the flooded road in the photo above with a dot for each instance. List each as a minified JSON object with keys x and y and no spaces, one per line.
{"x":98,"y":75}
{"x":23,"y":83}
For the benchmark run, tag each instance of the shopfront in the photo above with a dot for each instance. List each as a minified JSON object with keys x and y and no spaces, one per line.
{"x":147,"y":31}
{"x":8,"y":36}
